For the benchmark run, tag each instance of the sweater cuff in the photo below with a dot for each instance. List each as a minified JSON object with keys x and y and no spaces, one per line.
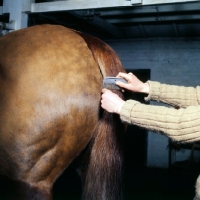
{"x":198,"y":94}
{"x":154,"y":91}
{"x":126,"y":110}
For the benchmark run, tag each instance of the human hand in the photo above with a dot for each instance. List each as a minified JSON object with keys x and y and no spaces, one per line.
{"x":134,"y":84}
{"x":111,"y":102}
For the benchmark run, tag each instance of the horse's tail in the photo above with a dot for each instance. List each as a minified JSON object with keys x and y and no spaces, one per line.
{"x":103,"y":178}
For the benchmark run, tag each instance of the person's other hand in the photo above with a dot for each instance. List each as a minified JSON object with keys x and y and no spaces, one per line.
{"x":134,"y":84}
{"x":111,"y":102}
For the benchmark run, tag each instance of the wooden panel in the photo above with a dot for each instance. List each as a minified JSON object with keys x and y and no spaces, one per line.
{"x":136,"y":2}
{"x":94,"y":4}
{"x":81,"y":4}
{"x":148,"y":2}
{"x":152,"y":9}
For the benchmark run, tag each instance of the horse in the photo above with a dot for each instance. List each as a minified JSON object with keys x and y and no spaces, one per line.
{"x":50,"y":90}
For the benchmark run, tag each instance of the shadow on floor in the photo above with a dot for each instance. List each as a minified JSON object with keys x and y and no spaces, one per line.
{"x":140,"y":183}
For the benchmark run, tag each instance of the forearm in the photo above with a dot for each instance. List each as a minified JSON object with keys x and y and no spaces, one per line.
{"x":180,"y":125}
{"x":174,"y":95}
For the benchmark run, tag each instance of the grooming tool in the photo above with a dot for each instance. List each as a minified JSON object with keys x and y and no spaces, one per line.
{"x":109,"y":83}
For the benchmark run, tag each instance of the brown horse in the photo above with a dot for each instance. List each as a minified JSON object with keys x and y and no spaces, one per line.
{"x":50,"y":89}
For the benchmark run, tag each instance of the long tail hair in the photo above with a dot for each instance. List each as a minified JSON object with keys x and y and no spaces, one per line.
{"x":103,"y":178}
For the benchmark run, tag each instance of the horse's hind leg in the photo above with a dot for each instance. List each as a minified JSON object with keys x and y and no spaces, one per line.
{"x":20,"y":190}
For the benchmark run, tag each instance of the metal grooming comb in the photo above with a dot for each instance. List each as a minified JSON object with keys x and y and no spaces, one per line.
{"x":109,"y":83}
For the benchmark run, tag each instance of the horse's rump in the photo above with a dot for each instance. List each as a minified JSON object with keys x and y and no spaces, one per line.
{"x":50,"y":104}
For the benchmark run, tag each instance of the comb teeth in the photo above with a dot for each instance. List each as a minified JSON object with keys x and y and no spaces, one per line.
{"x":111,"y":87}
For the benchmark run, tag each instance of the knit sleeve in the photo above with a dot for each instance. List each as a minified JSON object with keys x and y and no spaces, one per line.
{"x":182,"y":125}
{"x":174,"y":95}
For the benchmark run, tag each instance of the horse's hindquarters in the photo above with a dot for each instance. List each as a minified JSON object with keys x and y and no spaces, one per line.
{"x":50,"y":92}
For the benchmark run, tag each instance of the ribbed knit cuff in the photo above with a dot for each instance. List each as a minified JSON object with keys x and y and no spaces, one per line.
{"x":154,"y":91}
{"x":126,"y":110}
{"x":198,"y":94}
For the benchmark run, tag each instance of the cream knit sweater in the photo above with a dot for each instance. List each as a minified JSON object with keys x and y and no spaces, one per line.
{"x":181,"y":125}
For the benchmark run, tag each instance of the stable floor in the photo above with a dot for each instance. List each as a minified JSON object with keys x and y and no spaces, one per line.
{"x":140,"y":183}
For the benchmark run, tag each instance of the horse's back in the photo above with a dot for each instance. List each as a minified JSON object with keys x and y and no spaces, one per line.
{"x":49,"y":101}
